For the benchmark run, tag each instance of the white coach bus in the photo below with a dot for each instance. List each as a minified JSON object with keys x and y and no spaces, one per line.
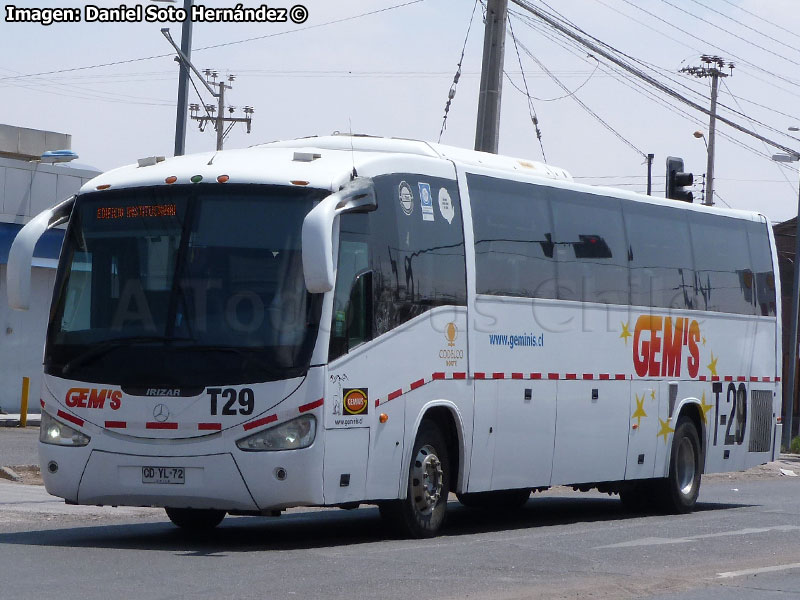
{"x":344,"y":320}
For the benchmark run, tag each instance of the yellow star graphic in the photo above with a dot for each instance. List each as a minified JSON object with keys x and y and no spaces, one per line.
{"x":712,"y":366}
{"x":705,"y":408}
{"x":704,"y":340}
{"x":652,"y":394}
{"x":639,"y":410}
{"x":625,"y":332}
{"x":665,"y":429}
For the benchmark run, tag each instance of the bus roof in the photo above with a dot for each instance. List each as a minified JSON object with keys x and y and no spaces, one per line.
{"x":326,"y":162}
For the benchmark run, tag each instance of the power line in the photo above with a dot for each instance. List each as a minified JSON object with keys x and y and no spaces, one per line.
{"x":261,"y":37}
{"x":531,"y":109}
{"x":762,"y":18}
{"x":644,"y":76}
{"x":746,"y":26}
{"x":452,"y":92}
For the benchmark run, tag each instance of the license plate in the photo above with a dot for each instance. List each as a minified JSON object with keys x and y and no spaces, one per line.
{"x":174,"y":475}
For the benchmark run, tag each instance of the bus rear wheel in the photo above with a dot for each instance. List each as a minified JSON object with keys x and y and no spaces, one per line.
{"x":195,"y":519}
{"x":422,"y":513}
{"x":680,"y":489}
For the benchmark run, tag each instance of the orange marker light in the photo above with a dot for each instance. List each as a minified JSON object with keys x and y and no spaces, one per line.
{"x":635,"y":426}
{"x":105,"y":186}
{"x":222,"y":179}
{"x":171,"y":179}
{"x":298,"y":182}
{"x":383,"y":418}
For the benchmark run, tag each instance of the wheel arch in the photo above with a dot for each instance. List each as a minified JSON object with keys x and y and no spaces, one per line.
{"x":691,"y":409}
{"x":446,"y":415}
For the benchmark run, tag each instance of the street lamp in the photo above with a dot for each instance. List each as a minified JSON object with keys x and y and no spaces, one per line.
{"x":699,"y":134}
{"x":787,"y":428}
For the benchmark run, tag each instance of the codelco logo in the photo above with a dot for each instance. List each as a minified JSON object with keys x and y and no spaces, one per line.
{"x":355,"y":401}
{"x":93,"y":398}
{"x":658,"y":344}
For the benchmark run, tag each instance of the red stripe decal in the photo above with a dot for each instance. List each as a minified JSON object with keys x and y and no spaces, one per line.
{"x":498,"y":376}
{"x":715,"y":378}
{"x":480,"y":375}
{"x":536,"y":375}
{"x":68,"y":417}
{"x":260,"y":422}
{"x":778,"y":379}
{"x":572,"y":375}
{"x":459,"y":375}
{"x":741,"y":378}
{"x":703,"y":378}
{"x":753,"y":378}
{"x":438,"y":376}
{"x":588,"y":376}
{"x":765,"y":379}
{"x":116,"y":425}
{"x":394,"y":394}
{"x":516,"y":376}
{"x":728,"y":377}
{"x":312,"y":405}
{"x":41,"y":402}
{"x":605,"y":376}
{"x":620,"y":377}
{"x":377,"y":403}
{"x":552,"y":375}
{"x":209,"y":426}
{"x":417,"y":384}
{"x":156,"y":425}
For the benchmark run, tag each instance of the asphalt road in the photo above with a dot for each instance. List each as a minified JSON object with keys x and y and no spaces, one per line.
{"x":742,"y":542}
{"x":19,"y":446}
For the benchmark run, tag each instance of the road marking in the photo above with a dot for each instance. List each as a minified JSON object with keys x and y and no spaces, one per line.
{"x":758,"y":571}
{"x":657,"y":541}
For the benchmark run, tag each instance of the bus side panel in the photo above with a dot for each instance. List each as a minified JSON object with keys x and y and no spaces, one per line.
{"x":397,"y":374}
{"x":591,"y":431}
{"x":525,"y":433}
{"x":642,"y":441}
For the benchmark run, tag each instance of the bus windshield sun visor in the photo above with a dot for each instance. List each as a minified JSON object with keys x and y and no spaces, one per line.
{"x":20,"y":257}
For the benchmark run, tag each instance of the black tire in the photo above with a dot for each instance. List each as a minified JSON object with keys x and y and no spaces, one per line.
{"x":422,"y":513}
{"x":195,"y":519}
{"x":500,"y":499}
{"x":679,"y":491}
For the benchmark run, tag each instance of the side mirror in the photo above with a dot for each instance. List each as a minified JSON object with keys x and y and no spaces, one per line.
{"x":20,"y":256}
{"x":317,"y":238}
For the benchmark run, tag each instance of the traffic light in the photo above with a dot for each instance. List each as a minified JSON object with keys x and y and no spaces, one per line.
{"x":677,"y":180}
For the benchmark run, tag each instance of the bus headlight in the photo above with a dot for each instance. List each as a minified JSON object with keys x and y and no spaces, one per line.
{"x":294,"y":435}
{"x":57,"y":433}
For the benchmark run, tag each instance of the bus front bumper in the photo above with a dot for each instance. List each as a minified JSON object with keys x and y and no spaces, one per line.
{"x":209,"y":481}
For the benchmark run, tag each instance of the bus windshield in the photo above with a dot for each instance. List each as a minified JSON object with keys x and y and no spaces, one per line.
{"x":184,"y":286}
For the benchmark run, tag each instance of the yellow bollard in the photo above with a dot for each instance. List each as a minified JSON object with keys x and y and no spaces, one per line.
{"x":23,"y":408}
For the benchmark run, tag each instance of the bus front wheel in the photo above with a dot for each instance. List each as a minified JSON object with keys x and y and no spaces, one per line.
{"x":195,"y":519}
{"x":421,"y":514}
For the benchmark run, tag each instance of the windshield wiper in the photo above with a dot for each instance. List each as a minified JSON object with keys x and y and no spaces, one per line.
{"x":106,"y":346}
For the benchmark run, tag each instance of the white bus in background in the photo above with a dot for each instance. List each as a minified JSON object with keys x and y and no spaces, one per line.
{"x":344,"y":320}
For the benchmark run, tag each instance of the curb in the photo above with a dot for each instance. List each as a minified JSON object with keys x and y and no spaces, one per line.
{"x":9,"y":473}
{"x":13,"y":420}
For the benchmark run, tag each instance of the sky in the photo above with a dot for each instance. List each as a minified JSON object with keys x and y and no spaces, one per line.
{"x":388,"y":73}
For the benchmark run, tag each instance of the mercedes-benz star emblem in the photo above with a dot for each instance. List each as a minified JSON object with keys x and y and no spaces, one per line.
{"x":161,"y":413}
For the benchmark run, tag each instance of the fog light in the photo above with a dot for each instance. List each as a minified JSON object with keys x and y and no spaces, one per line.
{"x":52,"y":466}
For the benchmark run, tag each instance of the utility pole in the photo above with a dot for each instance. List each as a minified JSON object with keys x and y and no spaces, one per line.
{"x":487,"y":132}
{"x":183,"y":81}
{"x":712,"y":66}
{"x":220,"y":120}
{"x":650,"y":158}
